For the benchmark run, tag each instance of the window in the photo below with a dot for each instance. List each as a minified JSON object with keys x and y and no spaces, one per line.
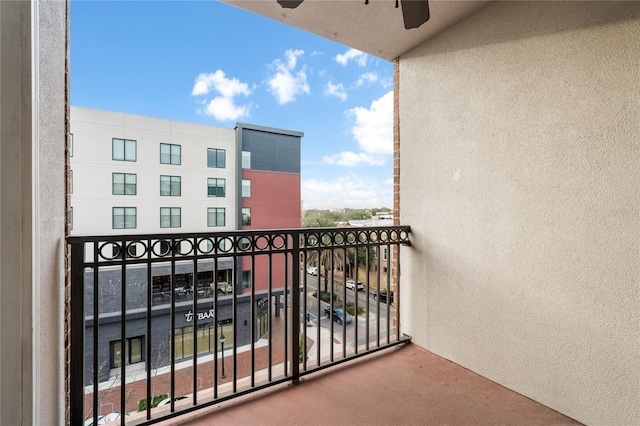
{"x":124,"y":217}
{"x":216,"y":187}
{"x":70,"y":181}
{"x":206,"y":335}
{"x":223,"y":247}
{"x":170,"y":153}
{"x":71,"y":218}
{"x":244,"y":244}
{"x":216,"y":158}
{"x":124,"y":184}
{"x":246,"y":279}
{"x":215,"y":216}
{"x":246,"y":216}
{"x":164,"y":248}
{"x":124,"y":150}
{"x":246,"y":159}
{"x":246,"y":188}
{"x":132,"y":351}
{"x":117,"y":252}
{"x":170,"y":217}
{"x":263,"y":324}
{"x":70,"y":144}
{"x":384,"y":253}
{"x":170,"y":186}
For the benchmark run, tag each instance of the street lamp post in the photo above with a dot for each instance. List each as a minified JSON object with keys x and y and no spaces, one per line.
{"x":222,"y":348}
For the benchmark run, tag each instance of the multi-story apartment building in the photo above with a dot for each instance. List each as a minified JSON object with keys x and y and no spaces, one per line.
{"x":141,"y":175}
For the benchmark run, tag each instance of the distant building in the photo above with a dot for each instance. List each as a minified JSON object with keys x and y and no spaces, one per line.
{"x":140,"y":175}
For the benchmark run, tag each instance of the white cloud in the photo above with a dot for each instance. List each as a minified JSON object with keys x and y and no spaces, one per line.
{"x":373,"y":127}
{"x":373,"y":131}
{"x":222,"y":107}
{"x":284,"y":84}
{"x":368,"y":77}
{"x":336,"y":90}
{"x":348,"y":158}
{"x":223,"y":85}
{"x":292,"y":57}
{"x":346,"y":191}
{"x":357,"y":56}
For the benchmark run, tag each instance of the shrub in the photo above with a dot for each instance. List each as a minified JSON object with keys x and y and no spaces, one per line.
{"x":351,"y":307}
{"x":325,"y":296}
{"x":142,"y":404}
{"x":301,"y":356}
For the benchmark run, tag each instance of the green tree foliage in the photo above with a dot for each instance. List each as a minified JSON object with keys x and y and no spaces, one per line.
{"x":351,"y":309}
{"x":364,"y":255}
{"x":142,"y":404}
{"x":329,"y":218}
{"x":301,"y":349}
{"x":325,"y":296}
{"x":326,"y":261}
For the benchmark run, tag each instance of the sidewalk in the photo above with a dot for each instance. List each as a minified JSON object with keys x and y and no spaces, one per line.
{"x":109,"y":398}
{"x":325,"y":342}
{"x":136,"y":382}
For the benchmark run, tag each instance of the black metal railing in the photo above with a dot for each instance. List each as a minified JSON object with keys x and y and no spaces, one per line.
{"x":157,"y":316}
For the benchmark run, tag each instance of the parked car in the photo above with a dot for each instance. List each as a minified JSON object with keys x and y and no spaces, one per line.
{"x":312,"y":270}
{"x":382,"y":295}
{"x":352,"y":285}
{"x":338,"y":315}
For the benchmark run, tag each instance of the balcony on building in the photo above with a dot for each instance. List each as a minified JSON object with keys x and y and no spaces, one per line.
{"x":234,"y":347}
{"x":516,"y":163}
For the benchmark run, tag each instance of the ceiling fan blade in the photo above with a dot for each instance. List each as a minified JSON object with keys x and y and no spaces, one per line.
{"x":290,"y":4}
{"x":414,"y":12}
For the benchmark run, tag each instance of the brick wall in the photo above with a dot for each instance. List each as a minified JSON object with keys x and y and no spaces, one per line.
{"x":395,"y":250}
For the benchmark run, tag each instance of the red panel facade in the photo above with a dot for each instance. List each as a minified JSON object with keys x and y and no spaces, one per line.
{"x":274,"y":204}
{"x":274,"y":201}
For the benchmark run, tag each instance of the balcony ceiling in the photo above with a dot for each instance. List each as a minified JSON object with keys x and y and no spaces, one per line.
{"x":376,"y":28}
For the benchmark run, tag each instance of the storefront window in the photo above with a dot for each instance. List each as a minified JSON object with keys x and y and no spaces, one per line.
{"x":206,"y":339}
{"x":132,"y":351}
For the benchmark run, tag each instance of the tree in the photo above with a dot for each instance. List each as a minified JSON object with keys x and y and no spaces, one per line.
{"x":159,"y":357}
{"x":364,"y":255}
{"x":112,"y":390}
{"x":320,"y":218}
{"x":327,"y":259}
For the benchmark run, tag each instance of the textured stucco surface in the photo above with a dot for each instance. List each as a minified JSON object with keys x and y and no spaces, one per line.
{"x":15,"y":234}
{"x":520,"y":174}
{"x":32,"y":138}
{"x":49,"y":214}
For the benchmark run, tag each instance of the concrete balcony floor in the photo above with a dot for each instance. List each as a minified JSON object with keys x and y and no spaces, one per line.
{"x":399,"y":386}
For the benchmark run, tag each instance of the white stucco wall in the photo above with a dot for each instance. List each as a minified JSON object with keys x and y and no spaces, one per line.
{"x":32,"y":211}
{"x":520,"y":177}
{"x":49,"y":215}
{"x":92,"y":165}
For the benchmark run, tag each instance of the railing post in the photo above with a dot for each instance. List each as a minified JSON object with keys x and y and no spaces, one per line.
{"x":295,"y":301}
{"x":76,"y":341}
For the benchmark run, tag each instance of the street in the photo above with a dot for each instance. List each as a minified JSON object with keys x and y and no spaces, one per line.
{"x":374,"y":324}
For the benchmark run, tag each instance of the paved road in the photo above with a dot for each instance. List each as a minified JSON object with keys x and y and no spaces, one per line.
{"x":363,"y":326}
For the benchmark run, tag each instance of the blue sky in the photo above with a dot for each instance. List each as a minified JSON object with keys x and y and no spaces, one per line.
{"x":207,"y":62}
